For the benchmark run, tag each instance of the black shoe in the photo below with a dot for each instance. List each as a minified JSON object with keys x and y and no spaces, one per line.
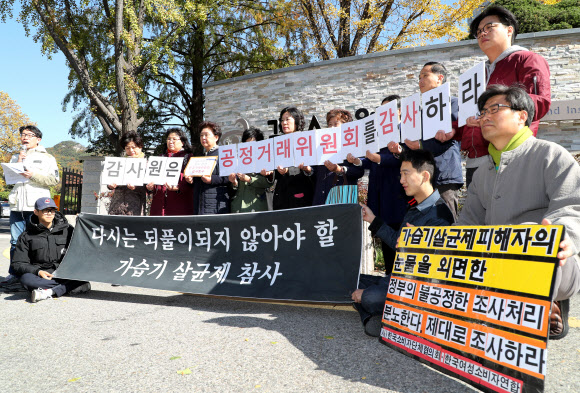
{"x":373,"y":326}
{"x":559,"y":319}
{"x":81,"y":289}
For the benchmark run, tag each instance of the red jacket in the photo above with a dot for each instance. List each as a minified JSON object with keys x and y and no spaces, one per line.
{"x":527,"y":68}
{"x":173,"y":203}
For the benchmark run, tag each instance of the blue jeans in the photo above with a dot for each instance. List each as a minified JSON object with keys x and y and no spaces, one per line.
{"x":373,"y":297}
{"x":18,"y":221}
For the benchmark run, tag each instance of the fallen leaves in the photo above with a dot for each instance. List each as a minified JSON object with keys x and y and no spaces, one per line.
{"x":187,"y":371}
{"x":329,"y":337}
{"x":74,"y":379}
{"x":574,"y":322}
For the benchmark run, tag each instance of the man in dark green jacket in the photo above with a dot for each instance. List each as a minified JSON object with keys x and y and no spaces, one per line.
{"x":39,"y":251}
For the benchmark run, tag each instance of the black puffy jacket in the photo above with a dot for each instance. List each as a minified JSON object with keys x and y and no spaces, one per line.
{"x":39,"y":248}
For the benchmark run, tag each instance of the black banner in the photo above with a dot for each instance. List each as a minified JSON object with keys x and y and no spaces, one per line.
{"x":309,"y":254}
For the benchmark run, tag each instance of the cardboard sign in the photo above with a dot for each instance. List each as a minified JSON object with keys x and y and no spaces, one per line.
{"x":264,"y":154}
{"x":200,"y":166}
{"x":351,"y":139}
{"x":113,"y":171}
{"x":283,"y":151}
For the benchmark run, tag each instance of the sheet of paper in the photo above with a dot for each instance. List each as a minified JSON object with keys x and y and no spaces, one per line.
{"x":12,"y":173}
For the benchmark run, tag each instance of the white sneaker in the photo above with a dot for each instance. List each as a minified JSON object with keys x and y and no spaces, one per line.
{"x":40,"y":294}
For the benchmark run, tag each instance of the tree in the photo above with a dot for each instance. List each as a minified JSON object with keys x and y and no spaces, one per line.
{"x":534,"y":15}
{"x":104,"y":46}
{"x":11,"y":119}
{"x":342,"y":28}
{"x":234,"y":38}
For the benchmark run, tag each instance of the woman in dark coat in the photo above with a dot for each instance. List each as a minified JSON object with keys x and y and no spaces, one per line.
{"x":173,"y":200}
{"x":293,"y":187}
{"x":129,"y":200}
{"x":212,"y":192}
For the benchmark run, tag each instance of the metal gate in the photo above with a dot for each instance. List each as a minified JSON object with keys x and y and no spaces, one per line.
{"x":71,"y":191}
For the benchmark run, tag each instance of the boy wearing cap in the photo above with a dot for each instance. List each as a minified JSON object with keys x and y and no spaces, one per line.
{"x":39,"y":251}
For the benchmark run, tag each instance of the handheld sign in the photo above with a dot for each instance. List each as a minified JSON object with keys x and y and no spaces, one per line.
{"x":113,"y":171}
{"x":304,"y":148}
{"x":264,"y":154}
{"x":200,"y":166}
{"x":283,"y":151}
{"x":135,"y":171}
{"x":436,"y":111}
{"x":351,"y":138}
{"x":369,"y":137}
{"x":172,"y":170}
{"x":411,"y":118}
{"x":327,"y":145}
{"x":471,"y":87}
{"x":155,"y":170}
{"x":387,"y":124}
{"x":246,"y":157}
{"x":228,"y":158}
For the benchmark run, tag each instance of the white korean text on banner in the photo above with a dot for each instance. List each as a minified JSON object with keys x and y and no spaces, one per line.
{"x":308,"y":254}
{"x":474,"y":302}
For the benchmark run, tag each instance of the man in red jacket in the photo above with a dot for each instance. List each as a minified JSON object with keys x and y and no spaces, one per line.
{"x":496,"y":29}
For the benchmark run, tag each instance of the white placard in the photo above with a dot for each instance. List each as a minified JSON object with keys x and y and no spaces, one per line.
{"x":436,"y":111}
{"x":264,"y":154}
{"x":155,"y":171}
{"x":304,"y":148}
{"x":246,"y":157}
{"x":411,"y":117}
{"x":173,"y":170}
{"x":387,"y":123}
{"x":283,"y":151}
{"x":471,"y":87}
{"x":350,"y":137}
{"x":369,"y":137}
{"x":113,"y":171}
{"x":228,"y":159}
{"x":135,"y":171}
{"x":327,"y":145}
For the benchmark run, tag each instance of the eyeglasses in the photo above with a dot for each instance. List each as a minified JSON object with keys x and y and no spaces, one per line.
{"x":492,"y":109}
{"x":26,"y":135}
{"x":173,"y":139}
{"x":48,"y":211}
{"x":486,"y":28}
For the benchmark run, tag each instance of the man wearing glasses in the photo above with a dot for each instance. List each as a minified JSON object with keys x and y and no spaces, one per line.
{"x":496,"y":29}
{"x":39,"y":251}
{"x":41,"y":172}
{"x":527,"y":180}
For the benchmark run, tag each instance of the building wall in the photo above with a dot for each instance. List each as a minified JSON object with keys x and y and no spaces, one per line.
{"x":363,"y":81}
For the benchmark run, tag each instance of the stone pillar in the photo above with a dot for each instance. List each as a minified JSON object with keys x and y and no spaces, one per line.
{"x":92,"y":169}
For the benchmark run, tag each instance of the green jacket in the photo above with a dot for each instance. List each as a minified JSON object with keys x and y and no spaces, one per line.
{"x":251,"y":196}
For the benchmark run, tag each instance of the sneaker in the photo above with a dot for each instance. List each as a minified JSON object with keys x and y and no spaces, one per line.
{"x":81,"y":289}
{"x":373,"y":326}
{"x":10,"y":280}
{"x":40,"y":294}
{"x":559,"y":319}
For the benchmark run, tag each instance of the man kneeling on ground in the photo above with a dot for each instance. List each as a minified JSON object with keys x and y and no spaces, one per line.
{"x":39,"y":251}
{"x":427,"y":208}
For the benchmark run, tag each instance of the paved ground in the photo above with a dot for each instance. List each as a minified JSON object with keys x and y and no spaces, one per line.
{"x":136,"y":340}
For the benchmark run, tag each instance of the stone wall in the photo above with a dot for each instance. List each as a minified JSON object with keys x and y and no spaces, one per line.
{"x":92,"y":169}
{"x":363,"y":81}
